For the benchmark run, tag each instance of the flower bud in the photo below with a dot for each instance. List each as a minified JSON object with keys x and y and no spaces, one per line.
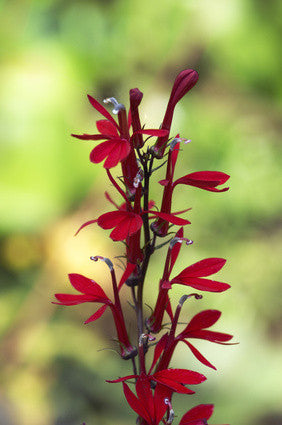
{"x":184,"y":82}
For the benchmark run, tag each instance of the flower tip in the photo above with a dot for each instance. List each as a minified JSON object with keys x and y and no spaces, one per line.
{"x":135,"y":97}
{"x":106,"y":260}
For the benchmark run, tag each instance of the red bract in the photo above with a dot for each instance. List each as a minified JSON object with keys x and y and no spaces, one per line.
{"x":184,"y":82}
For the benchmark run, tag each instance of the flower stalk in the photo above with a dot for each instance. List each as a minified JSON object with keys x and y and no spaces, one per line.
{"x":124,"y":144}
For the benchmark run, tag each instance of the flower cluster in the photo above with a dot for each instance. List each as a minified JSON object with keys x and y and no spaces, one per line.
{"x":139,"y":223}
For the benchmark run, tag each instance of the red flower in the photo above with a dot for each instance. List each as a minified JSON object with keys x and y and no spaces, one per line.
{"x":173,"y":379}
{"x":126,"y":223}
{"x":198,"y":415}
{"x":184,"y":82}
{"x":92,"y":292}
{"x":193,"y":276}
{"x":116,"y":148}
{"x":207,"y":180}
{"x":118,"y":144}
{"x":196,"y":328}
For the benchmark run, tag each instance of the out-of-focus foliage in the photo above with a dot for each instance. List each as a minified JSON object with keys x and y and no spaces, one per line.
{"x":52,"y":54}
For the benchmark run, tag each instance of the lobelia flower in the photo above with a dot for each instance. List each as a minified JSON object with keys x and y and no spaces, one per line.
{"x":191,"y":276}
{"x":91,"y":291}
{"x":173,"y":379}
{"x":127,"y":223}
{"x":198,"y":415}
{"x":196,"y":328}
{"x":184,"y":82}
{"x":118,"y":143}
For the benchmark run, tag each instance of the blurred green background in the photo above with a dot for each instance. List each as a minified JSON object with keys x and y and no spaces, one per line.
{"x":52,"y":54}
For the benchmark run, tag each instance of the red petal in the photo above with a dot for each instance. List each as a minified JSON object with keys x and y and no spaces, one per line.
{"x":174,"y":386}
{"x":161,"y":393}
{"x":175,"y":250}
{"x":212,"y":336}
{"x":201,"y":284}
{"x":107,"y":127}
{"x":204,"y":267}
{"x":127,"y":272}
{"x":144,"y":393}
{"x":84,"y":225}
{"x":152,"y":132}
{"x":115,"y":149}
{"x":207,"y":180}
{"x":90,"y":136}
{"x":100,"y":108}
{"x":168,"y":308}
{"x":183,"y":376}
{"x":86,"y":286}
{"x":158,"y":350}
{"x":96,"y":315}
{"x":72,"y":299}
{"x":204,"y":319}
{"x":124,"y":378}
{"x":128,"y":226}
{"x":198,"y":355}
{"x":171,"y":218}
{"x":135,"y":404}
{"x":111,"y":219}
{"x":100,"y":152}
{"x":202,"y":411}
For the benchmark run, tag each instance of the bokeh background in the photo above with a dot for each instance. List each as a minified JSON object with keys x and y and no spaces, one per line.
{"x":52,"y":54}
